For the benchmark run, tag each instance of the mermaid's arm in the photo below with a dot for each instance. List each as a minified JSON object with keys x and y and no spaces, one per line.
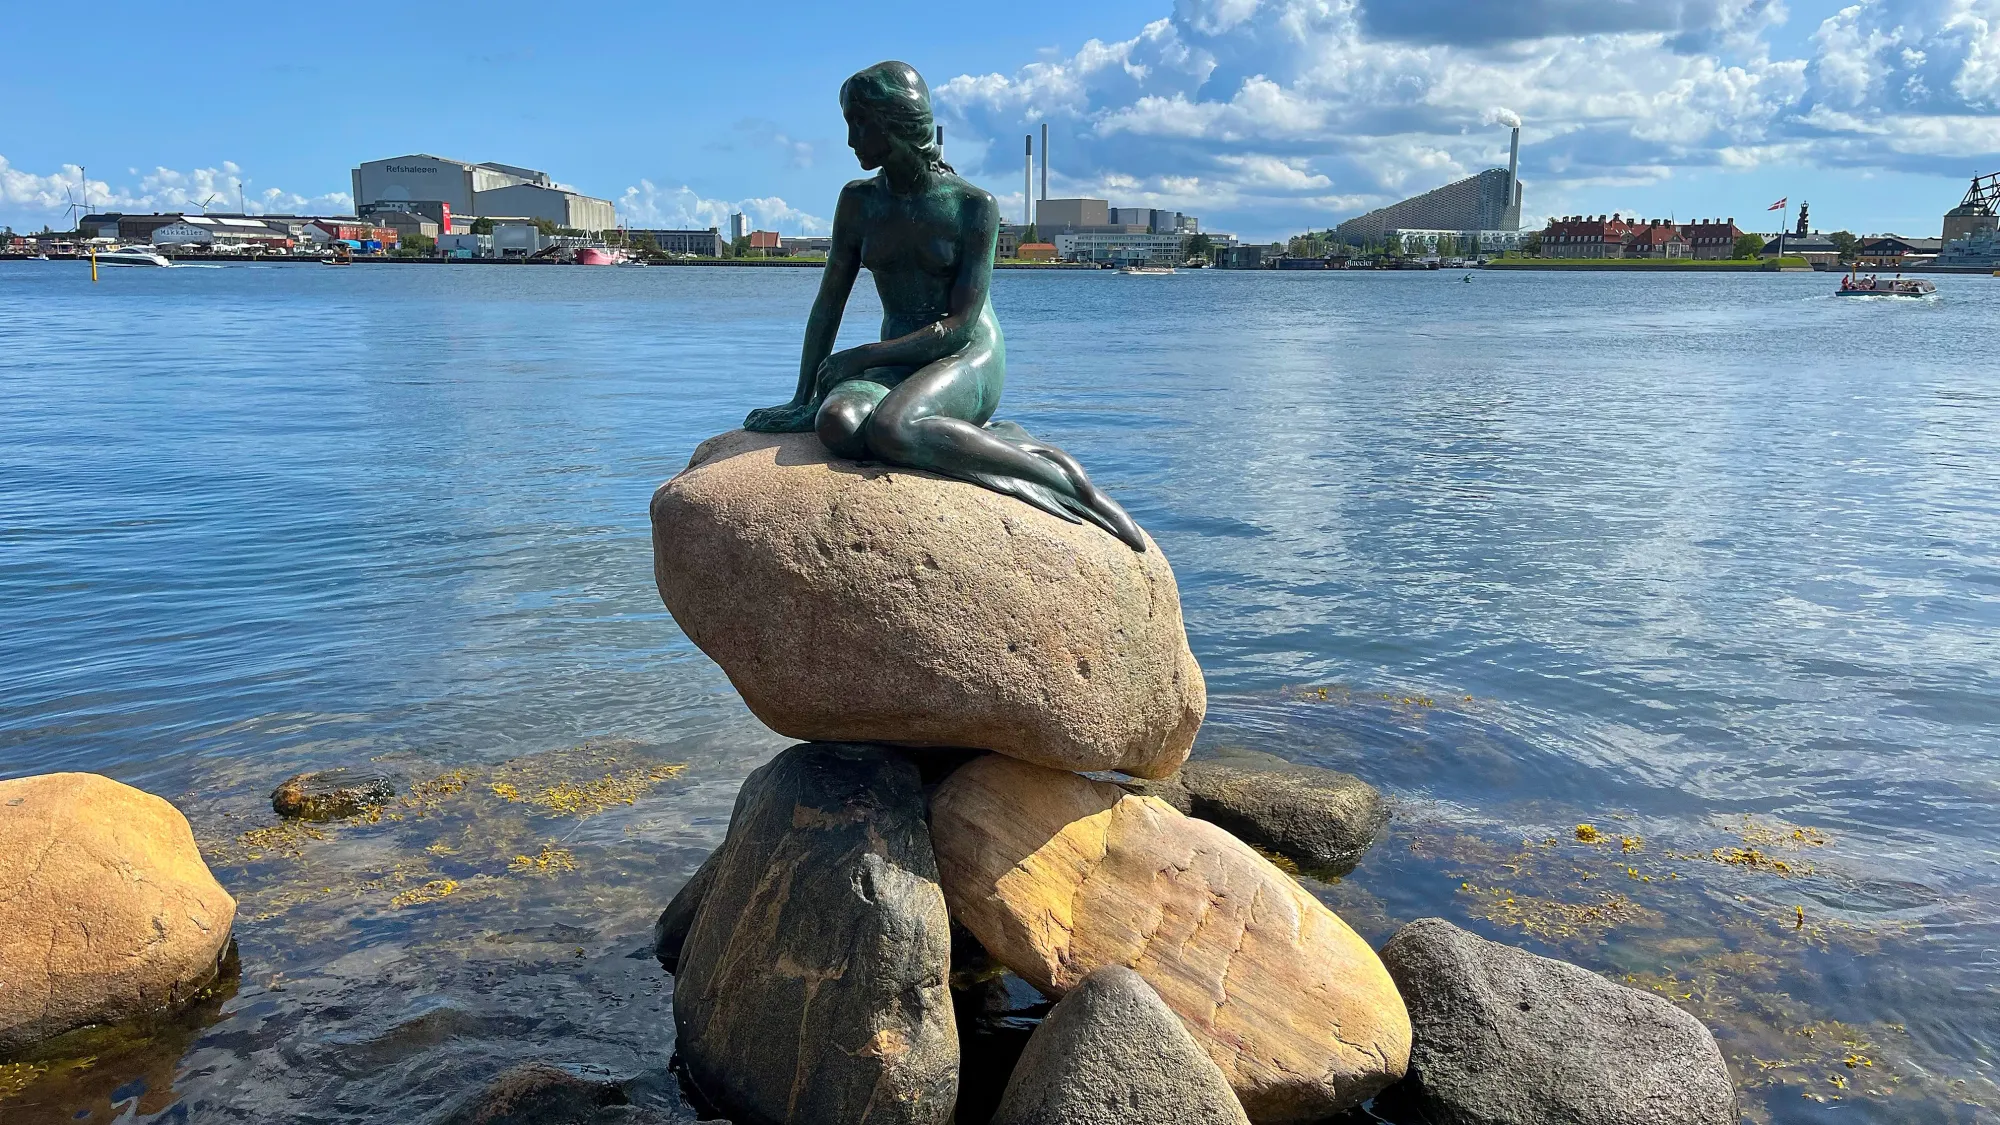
{"x":843,"y":265}
{"x":979,"y":226}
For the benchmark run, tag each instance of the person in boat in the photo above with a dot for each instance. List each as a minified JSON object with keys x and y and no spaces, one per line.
{"x":924,"y":395}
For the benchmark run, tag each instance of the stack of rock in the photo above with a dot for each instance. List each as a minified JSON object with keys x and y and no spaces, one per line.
{"x":954,"y":663}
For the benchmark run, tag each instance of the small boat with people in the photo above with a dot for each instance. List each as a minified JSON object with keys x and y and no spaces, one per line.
{"x":1145,"y":269}
{"x":130,"y":256}
{"x":1854,"y":285}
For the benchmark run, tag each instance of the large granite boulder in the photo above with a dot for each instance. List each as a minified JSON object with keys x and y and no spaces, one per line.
{"x":1504,"y":1037}
{"x":1059,"y":876}
{"x":813,"y":984}
{"x":107,"y":911}
{"x":861,"y":602}
{"x":1322,"y":818}
{"x":1112,"y":1053}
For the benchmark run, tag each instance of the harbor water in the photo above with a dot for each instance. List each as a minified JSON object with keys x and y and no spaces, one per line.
{"x":1663,"y":608}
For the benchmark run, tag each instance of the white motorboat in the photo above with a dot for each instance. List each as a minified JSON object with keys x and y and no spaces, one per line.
{"x":130,"y":256}
{"x":1145,"y":269}
{"x":1856,"y":285}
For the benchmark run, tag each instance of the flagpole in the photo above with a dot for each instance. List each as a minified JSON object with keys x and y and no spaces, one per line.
{"x":1784,"y":220}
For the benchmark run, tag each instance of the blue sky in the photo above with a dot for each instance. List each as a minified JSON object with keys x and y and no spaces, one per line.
{"x":1264,"y":117}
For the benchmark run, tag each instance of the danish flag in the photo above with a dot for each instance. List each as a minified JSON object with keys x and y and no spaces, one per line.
{"x":1779,"y":205}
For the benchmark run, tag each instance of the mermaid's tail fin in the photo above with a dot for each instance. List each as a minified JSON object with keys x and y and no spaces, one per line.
{"x":1087,"y":504}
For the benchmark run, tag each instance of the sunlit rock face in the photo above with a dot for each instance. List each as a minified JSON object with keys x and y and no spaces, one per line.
{"x":107,"y":911}
{"x":1059,"y":876}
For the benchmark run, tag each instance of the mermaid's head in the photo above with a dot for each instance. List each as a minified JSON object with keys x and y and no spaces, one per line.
{"x":888,"y":111}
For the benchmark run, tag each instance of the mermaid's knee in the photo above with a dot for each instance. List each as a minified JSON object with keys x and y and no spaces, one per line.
{"x":893,"y":437}
{"x":840,"y":424}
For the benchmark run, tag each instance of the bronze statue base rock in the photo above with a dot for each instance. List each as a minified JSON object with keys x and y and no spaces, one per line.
{"x":857,"y":602}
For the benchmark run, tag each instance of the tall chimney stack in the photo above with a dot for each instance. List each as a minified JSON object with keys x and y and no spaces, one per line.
{"x":1514,"y":167}
{"x":1028,"y":181}
{"x":1045,"y":160}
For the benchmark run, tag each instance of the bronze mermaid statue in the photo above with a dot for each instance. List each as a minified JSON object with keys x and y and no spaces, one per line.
{"x":924,"y":395}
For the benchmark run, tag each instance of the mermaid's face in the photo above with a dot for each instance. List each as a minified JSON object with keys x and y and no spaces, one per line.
{"x":871,"y":143}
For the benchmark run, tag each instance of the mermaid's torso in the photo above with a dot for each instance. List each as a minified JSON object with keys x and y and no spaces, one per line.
{"x":912,"y":247}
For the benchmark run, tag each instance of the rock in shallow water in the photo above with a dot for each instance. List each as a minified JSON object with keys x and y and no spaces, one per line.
{"x":813,"y":983}
{"x":538,"y":1094}
{"x":1504,"y":1037}
{"x":1112,"y":1053}
{"x":330,"y":794}
{"x":1322,"y":818}
{"x":107,"y":911}
{"x":1059,"y":876}
{"x":859,"y":602}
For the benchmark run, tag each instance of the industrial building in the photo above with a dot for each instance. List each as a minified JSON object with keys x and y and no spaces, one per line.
{"x":1091,"y":230}
{"x":1978,"y":211}
{"x":1466,"y":243}
{"x":705,"y":243}
{"x":472,"y":190}
{"x":1489,"y":201}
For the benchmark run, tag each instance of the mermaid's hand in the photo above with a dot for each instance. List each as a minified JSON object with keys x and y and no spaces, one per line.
{"x":838,"y":368}
{"x":790,"y":418}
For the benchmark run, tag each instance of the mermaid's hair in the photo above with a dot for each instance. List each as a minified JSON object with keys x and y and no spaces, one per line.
{"x":894,"y":94}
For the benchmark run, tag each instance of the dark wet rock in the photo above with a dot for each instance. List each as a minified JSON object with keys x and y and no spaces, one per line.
{"x":538,"y":1094}
{"x":813,"y":984}
{"x":1504,"y":1037}
{"x":331,"y":794}
{"x":671,"y":930}
{"x":1113,"y":1053}
{"x":1324,"y":819}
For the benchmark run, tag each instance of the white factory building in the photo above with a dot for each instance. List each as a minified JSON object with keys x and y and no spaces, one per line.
{"x":472,"y":190}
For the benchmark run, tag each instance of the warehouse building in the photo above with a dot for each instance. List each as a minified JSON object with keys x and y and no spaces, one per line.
{"x":472,"y":190}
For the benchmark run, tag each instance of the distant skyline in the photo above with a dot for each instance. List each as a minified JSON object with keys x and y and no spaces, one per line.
{"x":1263,"y":117}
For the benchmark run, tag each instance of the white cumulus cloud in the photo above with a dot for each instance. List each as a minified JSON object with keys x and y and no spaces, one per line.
{"x":32,"y":198}
{"x":1313,"y":109}
{"x":649,"y":205}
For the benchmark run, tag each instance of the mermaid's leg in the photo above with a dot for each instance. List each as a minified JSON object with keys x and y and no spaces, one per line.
{"x":844,"y":414}
{"x":923,"y":423}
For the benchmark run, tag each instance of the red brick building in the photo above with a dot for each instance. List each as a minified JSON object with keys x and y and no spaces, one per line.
{"x":1658,"y":238}
{"x":1711,"y":238}
{"x":1580,"y":236}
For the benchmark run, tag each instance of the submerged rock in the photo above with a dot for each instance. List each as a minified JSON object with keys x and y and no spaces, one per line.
{"x":538,"y":1094}
{"x":1112,"y":1053}
{"x":1505,"y":1037}
{"x":1322,"y":818}
{"x":858,"y":602}
{"x":1059,"y":876}
{"x":107,"y":911}
{"x":671,"y":930}
{"x":331,"y":794}
{"x":813,"y":982}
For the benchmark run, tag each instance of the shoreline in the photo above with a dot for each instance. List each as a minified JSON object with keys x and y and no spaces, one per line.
{"x":309,"y":260}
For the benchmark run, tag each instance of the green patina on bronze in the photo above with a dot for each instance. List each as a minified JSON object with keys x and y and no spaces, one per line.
{"x":924,"y":395}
